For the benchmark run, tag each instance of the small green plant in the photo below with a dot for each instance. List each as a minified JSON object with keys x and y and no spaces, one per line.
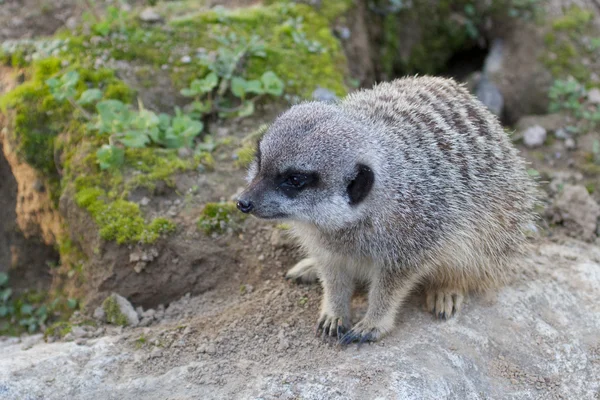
{"x":224,"y":91}
{"x":28,"y":312}
{"x":138,"y":129}
{"x":571,"y":97}
{"x":217,"y":217}
{"x":64,"y":88}
{"x":115,"y":19}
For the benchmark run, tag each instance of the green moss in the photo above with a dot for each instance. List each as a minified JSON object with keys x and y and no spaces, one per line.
{"x":276,"y":25}
{"x":58,"y":329}
{"x":113,"y":312}
{"x":121,"y":220}
{"x":566,"y":46}
{"x":217,"y":217}
{"x":246,"y":153}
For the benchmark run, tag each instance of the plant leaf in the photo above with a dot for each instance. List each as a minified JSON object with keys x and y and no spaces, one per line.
{"x":272,"y":84}
{"x":135,"y":139}
{"x":238,"y":87}
{"x":110,"y":156}
{"x":3,"y":278}
{"x":247,"y":109}
{"x":254,"y":86}
{"x":90,"y":96}
{"x":5,"y":294}
{"x":26,"y":309}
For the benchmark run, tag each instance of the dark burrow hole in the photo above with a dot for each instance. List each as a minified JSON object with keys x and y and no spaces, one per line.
{"x":465,"y":62}
{"x":26,"y":260}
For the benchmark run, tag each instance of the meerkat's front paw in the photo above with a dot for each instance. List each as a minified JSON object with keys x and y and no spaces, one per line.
{"x":444,"y":303}
{"x":362,"y":332}
{"x":332,"y":325}
{"x":305,"y":271}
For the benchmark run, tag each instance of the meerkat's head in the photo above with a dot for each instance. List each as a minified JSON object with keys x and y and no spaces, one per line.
{"x":311,"y":167}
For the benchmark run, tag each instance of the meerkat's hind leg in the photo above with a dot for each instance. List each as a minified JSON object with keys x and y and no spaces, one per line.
{"x":444,"y":303}
{"x":304,"y":271}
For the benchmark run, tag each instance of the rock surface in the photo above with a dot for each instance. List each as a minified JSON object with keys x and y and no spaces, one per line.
{"x":534,"y":136}
{"x":578,"y":210}
{"x":537,"y":339}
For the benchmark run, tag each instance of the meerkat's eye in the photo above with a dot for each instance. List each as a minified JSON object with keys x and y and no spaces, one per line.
{"x":295,"y":181}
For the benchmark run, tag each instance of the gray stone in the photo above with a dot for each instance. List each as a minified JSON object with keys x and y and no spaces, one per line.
{"x":324,"y":95}
{"x":488,"y":94}
{"x":594,"y":96}
{"x":578,"y":211}
{"x":534,"y":136}
{"x":570,"y":144}
{"x":99,"y":314}
{"x":150,"y":15}
{"x":126,"y":309}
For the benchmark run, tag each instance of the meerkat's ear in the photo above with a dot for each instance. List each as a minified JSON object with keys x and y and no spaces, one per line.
{"x":361,"y":185}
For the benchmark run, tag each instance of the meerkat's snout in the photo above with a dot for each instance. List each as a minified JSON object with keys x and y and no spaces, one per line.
{"x":245,"y":206}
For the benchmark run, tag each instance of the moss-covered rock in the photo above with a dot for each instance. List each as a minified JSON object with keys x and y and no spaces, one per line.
{"x":57,"y":139}
{"x":119,"y":311}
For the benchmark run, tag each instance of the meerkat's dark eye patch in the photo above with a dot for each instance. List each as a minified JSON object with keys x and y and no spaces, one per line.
{"x":258,"y":154}
{"x":292,"y":183}
{"x":361,"y":185}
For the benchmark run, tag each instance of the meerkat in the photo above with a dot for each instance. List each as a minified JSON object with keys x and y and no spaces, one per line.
{"x":412,"y":183}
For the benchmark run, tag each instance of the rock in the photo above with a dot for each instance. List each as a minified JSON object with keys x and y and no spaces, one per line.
{"x":343,"y":32}
{"x":146,"y":321}
{"x":570,"y":144}
{"x":119,"y":311}
{"x":78,"y":332}
{"x":534,"y":136}
{"x":150,"y":15}
{"x":140,"y":311}
{"x":325,"y":95}
{"x":493,"y":61}
{"x":184,"y":152}
{"x":186,"y":59}
{"x":550,"y":122}
{"x":561,"y":133}
{"x":99,"y":314}
{"x":594,"y":96}
{"x":488,"y":94}
{"x":149,"y":313}
{"x":71,"y":23}
{"x":144,"y":202}
{"x":578,"y":211}
{"x":156,"y":353}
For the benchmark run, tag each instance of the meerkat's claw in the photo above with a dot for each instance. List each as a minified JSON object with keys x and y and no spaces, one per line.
{"x":444,"y":304}
{"x":304,"y":271}
{"x":331,"y":326}
{"x":361,"y":333}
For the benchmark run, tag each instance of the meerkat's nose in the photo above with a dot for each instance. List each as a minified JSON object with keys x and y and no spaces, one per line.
{"x":245,"y":206}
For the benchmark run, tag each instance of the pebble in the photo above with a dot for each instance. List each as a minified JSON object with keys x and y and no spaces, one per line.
{"x":145,"y":201}
{"x":534,"y":136}
{"x":150,"y":15}
{"x":186,"y":59}
{"x":570,"y":144}
{"x":156,"y":353}
{"x":324,"y":95}
{"x":594,"y":96}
